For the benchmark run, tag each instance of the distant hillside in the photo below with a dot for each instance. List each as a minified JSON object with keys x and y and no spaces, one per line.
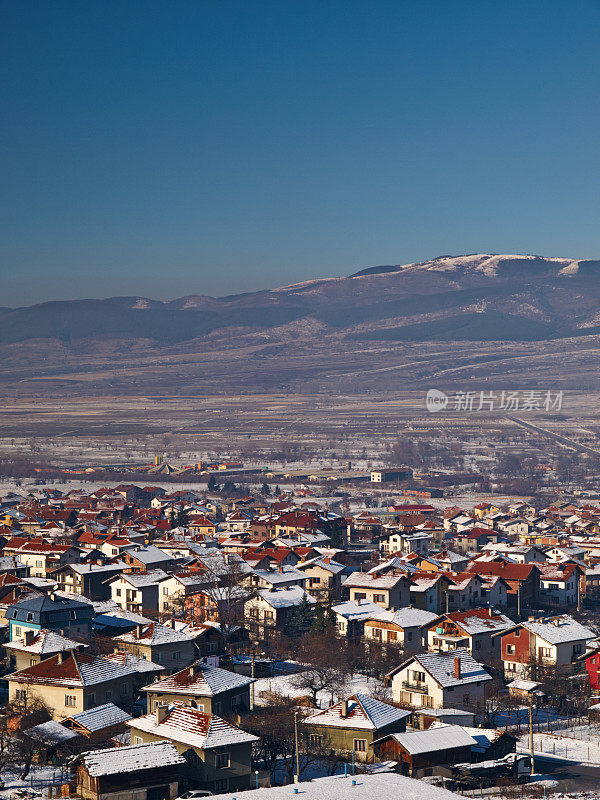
{"x":473,"y":298}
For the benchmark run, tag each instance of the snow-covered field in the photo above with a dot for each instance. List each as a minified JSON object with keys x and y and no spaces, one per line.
{"x":581,"y":744}
{"x":285,"y":685}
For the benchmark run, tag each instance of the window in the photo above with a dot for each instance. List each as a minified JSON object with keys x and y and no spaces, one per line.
{"x":176,"y":655}
{"x":418,"y":677}
{"x":124,"y":688}
{"x":21,"y":694}
{"x":315,"y":740}
{"x":30,"y":617}
{"x":359,"y":596}
{"x":17,"y":628}
{"x":39,"y":563}
{"x":138,"y":740}
{"x":268,"y":615}
{"x":222,"y":760}
{"x":118,"y":593}
{"x":70,"y":700}
{"x":477,"y":645}
{"x":377,"y":633}
{"x":379,"y":598}
{"x":222,"y":785}
{"x":217,"y":708}
{"x":108,"y":695}
{"x":360,"y":745}
{"x":392,"y":636}
{"x":409,"y":635}
{"x":91,"y":699}
{"x":510,"y":649}
{"x":165,"y":590}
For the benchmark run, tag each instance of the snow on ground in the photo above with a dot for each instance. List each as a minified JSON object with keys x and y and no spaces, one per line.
{"x":581,"y":745}
{"x":285,"y":684}
{"x":34,"y":785}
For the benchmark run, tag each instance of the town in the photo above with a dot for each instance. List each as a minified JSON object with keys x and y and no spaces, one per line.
{"x":183,"y":642}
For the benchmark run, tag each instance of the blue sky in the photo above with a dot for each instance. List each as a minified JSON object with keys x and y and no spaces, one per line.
{"x":209,"y":147}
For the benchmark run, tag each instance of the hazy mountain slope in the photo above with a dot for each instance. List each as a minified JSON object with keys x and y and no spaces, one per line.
{"x":513,"y":319}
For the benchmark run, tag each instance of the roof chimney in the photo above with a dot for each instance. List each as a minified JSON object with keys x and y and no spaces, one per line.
{"x":61,"y":657}
{"x":456,"y":667}
{"x":162,"y":712}
{"x":138,"y":631}
{"x":344,"y":708}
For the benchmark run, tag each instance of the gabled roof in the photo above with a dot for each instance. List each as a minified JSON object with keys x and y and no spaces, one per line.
{"x":405,"y":617}
{"x":440,"y":737}
{"x":480,"y":620}
{"x":192,"y":727}
{"x":76,"y":669}
{"x":100,"y":717}
{"x":154,"y":634}
{"x":363,"y":712}
{"x":131,"y":759}
{"x":441,"y":667}
{"x":559,"y":630}
{"x":200,"y":680}
{"x":43,"y":643}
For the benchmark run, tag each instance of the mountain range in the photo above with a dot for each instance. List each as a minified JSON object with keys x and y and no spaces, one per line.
{"x":505,"y":301}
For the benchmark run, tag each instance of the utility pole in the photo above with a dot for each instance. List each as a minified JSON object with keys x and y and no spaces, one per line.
{"x":297,"y":776}
{"x":252,"y":684}
{"x":519,"y":601}
{"x":531,"y":750}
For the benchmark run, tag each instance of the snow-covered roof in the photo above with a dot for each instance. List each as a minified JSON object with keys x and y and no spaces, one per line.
{"x":285,"y":597}
{"x":43,"y":643}
{"x":139,"y":580}
{"x":192,"y":727}
{"x":405,"y":617}
{"x":559,"y":630}
{"x":51,"y":732}
{"x":441,"y":667}
{"x":523,"y":685}
{"x":199,"y":680}
{"x":360,"y":580}
{"x":356,"y":609}
{"x":154,"y":634}
{"x":362,"y":712}
{"x":338,"y":787}
{"x":131,"y":759}
{"x":77,"y":669}
{"x":100,"y":717}
{"x":438,"y":737}
{"x":135,"y":662}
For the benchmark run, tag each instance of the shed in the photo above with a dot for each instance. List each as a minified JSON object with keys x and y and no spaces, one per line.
{"x":422,"y":753}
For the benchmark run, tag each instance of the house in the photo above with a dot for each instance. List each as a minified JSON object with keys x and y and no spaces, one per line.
{"x":421,"y":753}
{"x":465,"y":591}
{"x":67,"y":617}
{"x":218,"y":754}
{"x":389,"y":591}
{"x":437,"y":680}
{"x":142,"y":772}
{"x":98,"y":724}
{"x":559,"y":584}
{"x":268,"y":613}
{"x":430,"y":591}
{"x":475,"y":538}
{"x":351,"y":616}
{"x":36,"y":646}
{"x":209,"y":689}
{"x":147,"y":558}
{"x":352,"y":724}
{"x":324,"y":578}
{"x":220,"y":604}
{"x":471,"y":630}
{"x":401,"y":628}
{"x":53,"y":742}
{"x":173,"y":589}
{"x":87,"y":579}
{"x":405,"y":542}
{"x":549,"y":645}
{"x":40,"y":556}
{"x":160,"y":644}
{"x":523,"y":580}
{"x":136,"y":591}
{"x":73,"y":682}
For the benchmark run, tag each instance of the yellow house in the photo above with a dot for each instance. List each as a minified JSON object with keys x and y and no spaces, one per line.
{"x":72,"y":682}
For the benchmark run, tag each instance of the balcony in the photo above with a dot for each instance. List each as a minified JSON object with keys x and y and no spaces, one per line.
{"x":415,"y":687}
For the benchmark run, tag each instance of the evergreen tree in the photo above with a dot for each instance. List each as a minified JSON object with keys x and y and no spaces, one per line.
{"x":300,"y":620}
{"x":265,"y":490}
{"x":213,"y":486}
{"x":318,"y":624}
{"x":277,"y":491}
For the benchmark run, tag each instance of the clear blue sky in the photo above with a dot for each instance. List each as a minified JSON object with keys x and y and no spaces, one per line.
{"x":168,"y":148}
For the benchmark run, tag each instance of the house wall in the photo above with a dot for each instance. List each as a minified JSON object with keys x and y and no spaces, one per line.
{"x":203,"y":763}
{"x":119,"y":692}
